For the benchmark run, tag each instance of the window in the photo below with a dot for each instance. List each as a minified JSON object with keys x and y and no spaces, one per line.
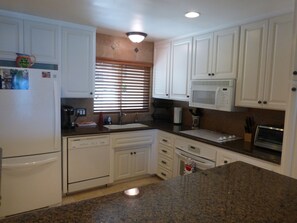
{"x":121,"y":86}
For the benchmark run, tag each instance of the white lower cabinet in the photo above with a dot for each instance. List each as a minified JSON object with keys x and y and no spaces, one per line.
{"x":131,"y":163}
{"x":165,"y":155}
{"x":225,"y":157}
{"x":132,"y":154}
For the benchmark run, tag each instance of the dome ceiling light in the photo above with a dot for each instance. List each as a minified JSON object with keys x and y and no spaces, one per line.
{"x":136,"y":37}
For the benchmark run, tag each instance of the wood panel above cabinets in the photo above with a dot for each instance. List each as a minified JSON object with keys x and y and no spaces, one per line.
{"x":265,"y":63}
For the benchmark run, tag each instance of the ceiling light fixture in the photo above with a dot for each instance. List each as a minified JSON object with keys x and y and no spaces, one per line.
{"x":136,"y":37}
{"x":192,"y":14}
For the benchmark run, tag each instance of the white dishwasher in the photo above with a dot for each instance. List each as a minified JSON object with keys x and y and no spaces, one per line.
{"x":88,"y":162}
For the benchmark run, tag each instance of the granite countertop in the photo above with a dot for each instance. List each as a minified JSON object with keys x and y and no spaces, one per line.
{"x":237,"y":192}
{"x":239,"y":146}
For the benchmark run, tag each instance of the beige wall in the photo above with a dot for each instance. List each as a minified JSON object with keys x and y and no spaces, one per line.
{"x":119,"y":48}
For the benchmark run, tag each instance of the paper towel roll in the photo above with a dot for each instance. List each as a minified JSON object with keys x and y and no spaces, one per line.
{"x":177,"y":116}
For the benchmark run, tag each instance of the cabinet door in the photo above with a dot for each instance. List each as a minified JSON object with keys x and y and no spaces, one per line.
{"x":278,"y":67}
{"x":202,"y":56}
{"x":140,"y":161}
{"x":181,"y":69}
{"x":225,"y":53}
{"x":224,"y":157}
{"x":123,"y":165}
{"x":252,"y":56}
{"x":78,"y":63}
{"x":11,"y":37}
{"x":42,"y":41}
{"x":161,"y":70}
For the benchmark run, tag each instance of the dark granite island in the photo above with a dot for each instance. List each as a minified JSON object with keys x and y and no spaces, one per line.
{"x":237,"y":192}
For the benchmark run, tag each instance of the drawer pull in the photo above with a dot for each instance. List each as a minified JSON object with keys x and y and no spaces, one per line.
{"x":164,"y":162}
{"x":163,"y":174}
{"x":164,"y":151}
{"x":164,"y":140}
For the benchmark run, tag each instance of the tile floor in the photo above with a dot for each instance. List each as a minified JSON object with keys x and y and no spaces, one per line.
{"x":116,"y":187}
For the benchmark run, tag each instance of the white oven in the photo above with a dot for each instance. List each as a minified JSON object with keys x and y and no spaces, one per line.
{"x":198,"y":154}
{"x":199,"y":163}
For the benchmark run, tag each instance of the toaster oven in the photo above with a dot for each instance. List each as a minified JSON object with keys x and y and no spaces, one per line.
{"x":269,"y":137}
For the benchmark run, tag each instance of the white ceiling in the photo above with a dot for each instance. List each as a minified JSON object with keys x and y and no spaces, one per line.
{"x":160,"y":19}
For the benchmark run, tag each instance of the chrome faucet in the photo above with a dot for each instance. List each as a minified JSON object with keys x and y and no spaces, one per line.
{"x":121,"y":115}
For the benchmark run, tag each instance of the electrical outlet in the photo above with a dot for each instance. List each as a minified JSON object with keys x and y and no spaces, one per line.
{"x":81,"y":112}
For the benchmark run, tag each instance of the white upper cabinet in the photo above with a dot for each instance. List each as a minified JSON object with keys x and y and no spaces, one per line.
{"x":215,"y":55}
{"x":161,"y":70}
{"x":42,"y":41}
{"x":172,"y":68}
{"x":78,"y":62}
{"x":11,"y":37}
{"x":278,"y":66}
{"x":29,"y":37}
{"x":180,"y":69}
{"x":264,"y":63}
{"x":202,"y":56}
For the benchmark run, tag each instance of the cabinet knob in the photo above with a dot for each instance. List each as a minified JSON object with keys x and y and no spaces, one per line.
{"x":259,"y":102}
{"x":131,"y":153}
{"x":209,"y":74}
{"x":91,"y":93}
{"x":264,"y":102}
{"x":293,"y":89}
{"x":225,"y":161}
{"x":295,"y":72}
{"x":188,"y":96}
{"x":134,"y":153}
{"x":166,"y":94}
{"x":212,"y":74}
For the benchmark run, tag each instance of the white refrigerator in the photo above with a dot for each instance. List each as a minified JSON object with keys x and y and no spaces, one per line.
{"x":30,"y":136}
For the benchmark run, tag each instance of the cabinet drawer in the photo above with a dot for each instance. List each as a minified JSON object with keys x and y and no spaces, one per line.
{"x":166,"y":140}
{"x":165,"y":162}
{"x":166,"y":151}
{"x":163,"y":173}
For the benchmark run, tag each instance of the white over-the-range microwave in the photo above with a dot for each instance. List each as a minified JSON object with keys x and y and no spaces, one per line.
{"x":213,"y":94}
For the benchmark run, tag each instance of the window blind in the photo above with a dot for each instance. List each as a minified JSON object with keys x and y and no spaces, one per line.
{"x":121,"y":86}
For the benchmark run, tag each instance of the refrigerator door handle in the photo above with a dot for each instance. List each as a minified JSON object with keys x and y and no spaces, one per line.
{"x":29,"y":164}
{"x":57,"y":112}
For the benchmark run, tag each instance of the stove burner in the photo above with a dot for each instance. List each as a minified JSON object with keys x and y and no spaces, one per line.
{"x":210,"y":135}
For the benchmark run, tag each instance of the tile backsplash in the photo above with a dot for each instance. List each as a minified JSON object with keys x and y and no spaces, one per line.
{"x":91,"y":116}
{"x":226,"y":122}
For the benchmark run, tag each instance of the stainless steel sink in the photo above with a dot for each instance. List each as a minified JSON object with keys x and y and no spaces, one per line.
{"x":126,"y":126}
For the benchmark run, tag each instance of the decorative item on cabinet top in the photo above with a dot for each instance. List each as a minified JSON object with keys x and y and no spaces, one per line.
{"x":25,"y":60}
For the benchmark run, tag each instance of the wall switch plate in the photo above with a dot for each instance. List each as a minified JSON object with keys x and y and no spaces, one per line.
{"x":81,"y":112}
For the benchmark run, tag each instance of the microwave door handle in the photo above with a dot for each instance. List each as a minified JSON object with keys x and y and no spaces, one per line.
{"x":216,"y":97}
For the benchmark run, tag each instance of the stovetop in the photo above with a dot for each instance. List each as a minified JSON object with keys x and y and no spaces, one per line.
{"x":211,"y":135}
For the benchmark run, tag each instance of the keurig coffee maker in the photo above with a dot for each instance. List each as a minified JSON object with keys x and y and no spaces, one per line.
{"x":67,"y":116}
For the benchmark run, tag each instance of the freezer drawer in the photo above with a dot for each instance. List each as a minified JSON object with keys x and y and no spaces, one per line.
{"x":30,"y":183}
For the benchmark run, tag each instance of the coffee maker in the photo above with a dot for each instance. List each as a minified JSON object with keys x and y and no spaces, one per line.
{"x":67,"y":116}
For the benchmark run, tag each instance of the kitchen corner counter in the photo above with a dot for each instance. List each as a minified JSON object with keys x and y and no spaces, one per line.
{"x":237,"y":192}
{"x":239,"y":146}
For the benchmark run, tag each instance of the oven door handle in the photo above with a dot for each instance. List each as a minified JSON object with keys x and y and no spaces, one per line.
{"x":201,"y":163}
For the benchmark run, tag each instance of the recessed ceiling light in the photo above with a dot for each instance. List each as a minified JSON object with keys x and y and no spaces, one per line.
{"x":192,"y":15}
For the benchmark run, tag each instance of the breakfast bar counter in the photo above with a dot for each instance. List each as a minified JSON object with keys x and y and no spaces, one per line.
{"x":236,"y":192}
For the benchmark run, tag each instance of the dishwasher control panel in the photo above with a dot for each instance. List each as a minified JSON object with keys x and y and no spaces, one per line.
{"x":85,"y":142}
